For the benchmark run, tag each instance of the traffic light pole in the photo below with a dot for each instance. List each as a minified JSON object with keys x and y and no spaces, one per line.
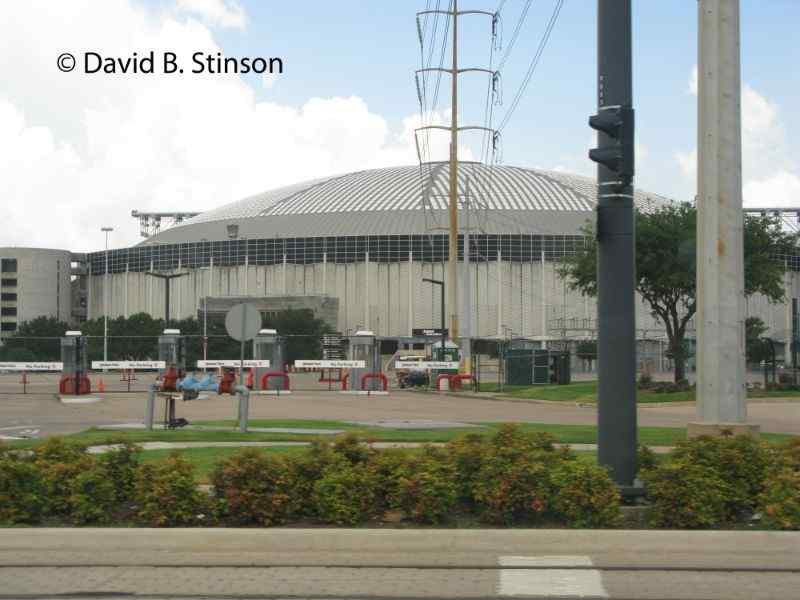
{"x":616,"y":335}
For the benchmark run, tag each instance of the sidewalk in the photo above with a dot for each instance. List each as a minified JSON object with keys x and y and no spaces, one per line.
{"x":370,"y":563}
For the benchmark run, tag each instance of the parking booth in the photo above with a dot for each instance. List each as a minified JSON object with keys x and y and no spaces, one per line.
{"x":171,"y":350}
{"x":74,"y":355}
{"x":268,"y":345}
{"x":364,"y":346}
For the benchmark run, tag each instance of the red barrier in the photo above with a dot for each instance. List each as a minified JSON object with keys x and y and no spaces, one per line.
{"x":265,"y":378}
{"x":228,"y":382}
{"x":455,"y":380}
{"x":67,"y":385}
{"x":440,"y":378}
{"x":250,"y":379}
{"x":381,"y":376}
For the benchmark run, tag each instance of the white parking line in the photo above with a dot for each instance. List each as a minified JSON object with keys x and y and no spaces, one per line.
{"x":550,"y":582}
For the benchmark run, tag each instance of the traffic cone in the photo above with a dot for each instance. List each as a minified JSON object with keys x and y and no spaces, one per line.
{"x":101,"y":387}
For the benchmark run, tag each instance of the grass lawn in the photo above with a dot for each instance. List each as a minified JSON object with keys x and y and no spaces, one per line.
{"x":204,"y":459}
{"x":586,"y":392}
{"x":568,"y":434}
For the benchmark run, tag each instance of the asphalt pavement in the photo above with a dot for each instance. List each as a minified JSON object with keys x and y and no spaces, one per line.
{"x":373,"y":563}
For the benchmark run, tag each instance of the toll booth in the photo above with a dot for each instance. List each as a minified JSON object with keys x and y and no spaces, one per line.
{"x":172,"y":350}
{"x":74,"y":356}
{"x":364,"y":346}
{"x":268,"y":345}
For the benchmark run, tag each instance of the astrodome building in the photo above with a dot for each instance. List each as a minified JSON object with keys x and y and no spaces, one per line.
{"x":356,"y":247}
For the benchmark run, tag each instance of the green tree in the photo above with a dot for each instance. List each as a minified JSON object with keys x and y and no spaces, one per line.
{"x":666,"y":267}
{"x":755,"y":347}
{"x":303,"y":330}
{"x":37,"y":339}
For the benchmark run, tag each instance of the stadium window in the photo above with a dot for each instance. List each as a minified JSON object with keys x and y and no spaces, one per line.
{"x":8,"y":327}
{"x":8,"y":265}
{"x":8,"y":297}
{"x":8,"y":282}
{"x":8,"y":311}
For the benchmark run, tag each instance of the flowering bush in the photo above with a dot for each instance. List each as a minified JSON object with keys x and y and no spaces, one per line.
{"x":345,"y":493}
{"x":427,"y":489}
{"x":166,"y":494}
{"x":585,"y":496}
{"x":685,"y":495}
{"x":780,"y":500}
{"x":21,"y":492}
{"x":254,"y":489}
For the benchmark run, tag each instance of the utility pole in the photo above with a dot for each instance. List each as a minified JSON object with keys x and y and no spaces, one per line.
{"x":105,"y":230}
{"x":720,"y":224}
{"x":616,"y":267}
{"x":454,"y":129}
{"x":452,"y":264}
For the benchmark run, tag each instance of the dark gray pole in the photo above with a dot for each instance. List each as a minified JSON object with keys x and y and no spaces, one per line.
{"x":616,"y":334}
{"x":444,"y":323}
{"x":167,"y":281}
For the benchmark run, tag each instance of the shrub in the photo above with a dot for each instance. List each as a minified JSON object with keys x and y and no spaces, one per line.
{"x":93,"y":496}
{"x":685,"y":495}
{"x":385,"y":470}
{"x":120,"y":465}
{"x":427,"y":489}
{"x":306,"y":469}
{"x":646,"y":459}
{"x":166,"y":494}
{"x":466,"y":454}
{"x":741,"y":462}
{"x":780,"y":500}
{"x":21,"y":491}
{"x":585,"y":496}
{"x":254,"y":489}
{"x":60,"y":463}
{"x":345,"y":493}
{"x":513,"y":484}
{"x":353,"y":448}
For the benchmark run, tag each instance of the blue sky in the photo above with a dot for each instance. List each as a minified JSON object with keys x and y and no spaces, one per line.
{"x":369,"y":48}
{"x":346,"y":101}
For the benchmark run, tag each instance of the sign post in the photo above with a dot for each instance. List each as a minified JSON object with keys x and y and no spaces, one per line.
{"x":243,"y":322}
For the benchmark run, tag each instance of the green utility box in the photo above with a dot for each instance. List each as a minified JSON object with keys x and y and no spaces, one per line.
{"x":526,"y":366}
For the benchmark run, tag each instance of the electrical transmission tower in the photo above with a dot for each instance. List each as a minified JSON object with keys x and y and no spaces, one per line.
{"x":455,"y":71}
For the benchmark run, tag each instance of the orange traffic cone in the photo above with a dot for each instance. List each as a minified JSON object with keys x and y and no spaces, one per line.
{"x":101,"y":387}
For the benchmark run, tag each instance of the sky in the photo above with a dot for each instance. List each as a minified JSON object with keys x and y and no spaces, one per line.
{"x":80,"y":151}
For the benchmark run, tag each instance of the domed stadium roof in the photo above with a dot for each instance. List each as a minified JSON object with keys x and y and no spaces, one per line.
{"x":404,"y":201}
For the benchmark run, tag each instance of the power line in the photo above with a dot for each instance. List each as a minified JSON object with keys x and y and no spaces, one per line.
{"x":534,"y":63}
{"x":515,"y":35}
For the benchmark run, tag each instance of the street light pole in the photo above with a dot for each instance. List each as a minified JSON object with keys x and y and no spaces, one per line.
{"x":105,"y":230}
{"x":444,"y":330}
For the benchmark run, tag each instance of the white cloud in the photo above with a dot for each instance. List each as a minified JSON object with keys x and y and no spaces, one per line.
{"x":222,"y":13}
{"x":780,"y":189}
{"x":770,"y":175}
{"x":78,"y":152}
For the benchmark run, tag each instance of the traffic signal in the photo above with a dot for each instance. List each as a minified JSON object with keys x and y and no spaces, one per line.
{"x":617,"y":156}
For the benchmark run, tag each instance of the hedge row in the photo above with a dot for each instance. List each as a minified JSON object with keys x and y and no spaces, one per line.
{"x":509,"y":478}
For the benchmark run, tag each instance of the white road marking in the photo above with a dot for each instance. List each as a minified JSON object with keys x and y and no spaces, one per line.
{"x":550,"y":582}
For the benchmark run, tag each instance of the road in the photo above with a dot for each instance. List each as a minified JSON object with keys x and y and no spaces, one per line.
{"x":331,"y":563}
{"x":45,"y":414}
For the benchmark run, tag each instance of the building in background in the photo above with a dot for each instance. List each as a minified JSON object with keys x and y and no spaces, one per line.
{"x":34,"y":282}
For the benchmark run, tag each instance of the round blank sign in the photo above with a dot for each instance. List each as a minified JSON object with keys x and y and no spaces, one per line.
{"x":243,"y":322}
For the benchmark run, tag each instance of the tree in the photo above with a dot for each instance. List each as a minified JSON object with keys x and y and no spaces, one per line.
{"x":666,"y":267}
{"x":304,"y":332}
{"x":755,"y":348}
{"x":36,"y":340}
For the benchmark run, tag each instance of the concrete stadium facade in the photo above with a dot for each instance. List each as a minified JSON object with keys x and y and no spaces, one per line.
{"x":368,"y":239}
{"x":34,"y":282}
